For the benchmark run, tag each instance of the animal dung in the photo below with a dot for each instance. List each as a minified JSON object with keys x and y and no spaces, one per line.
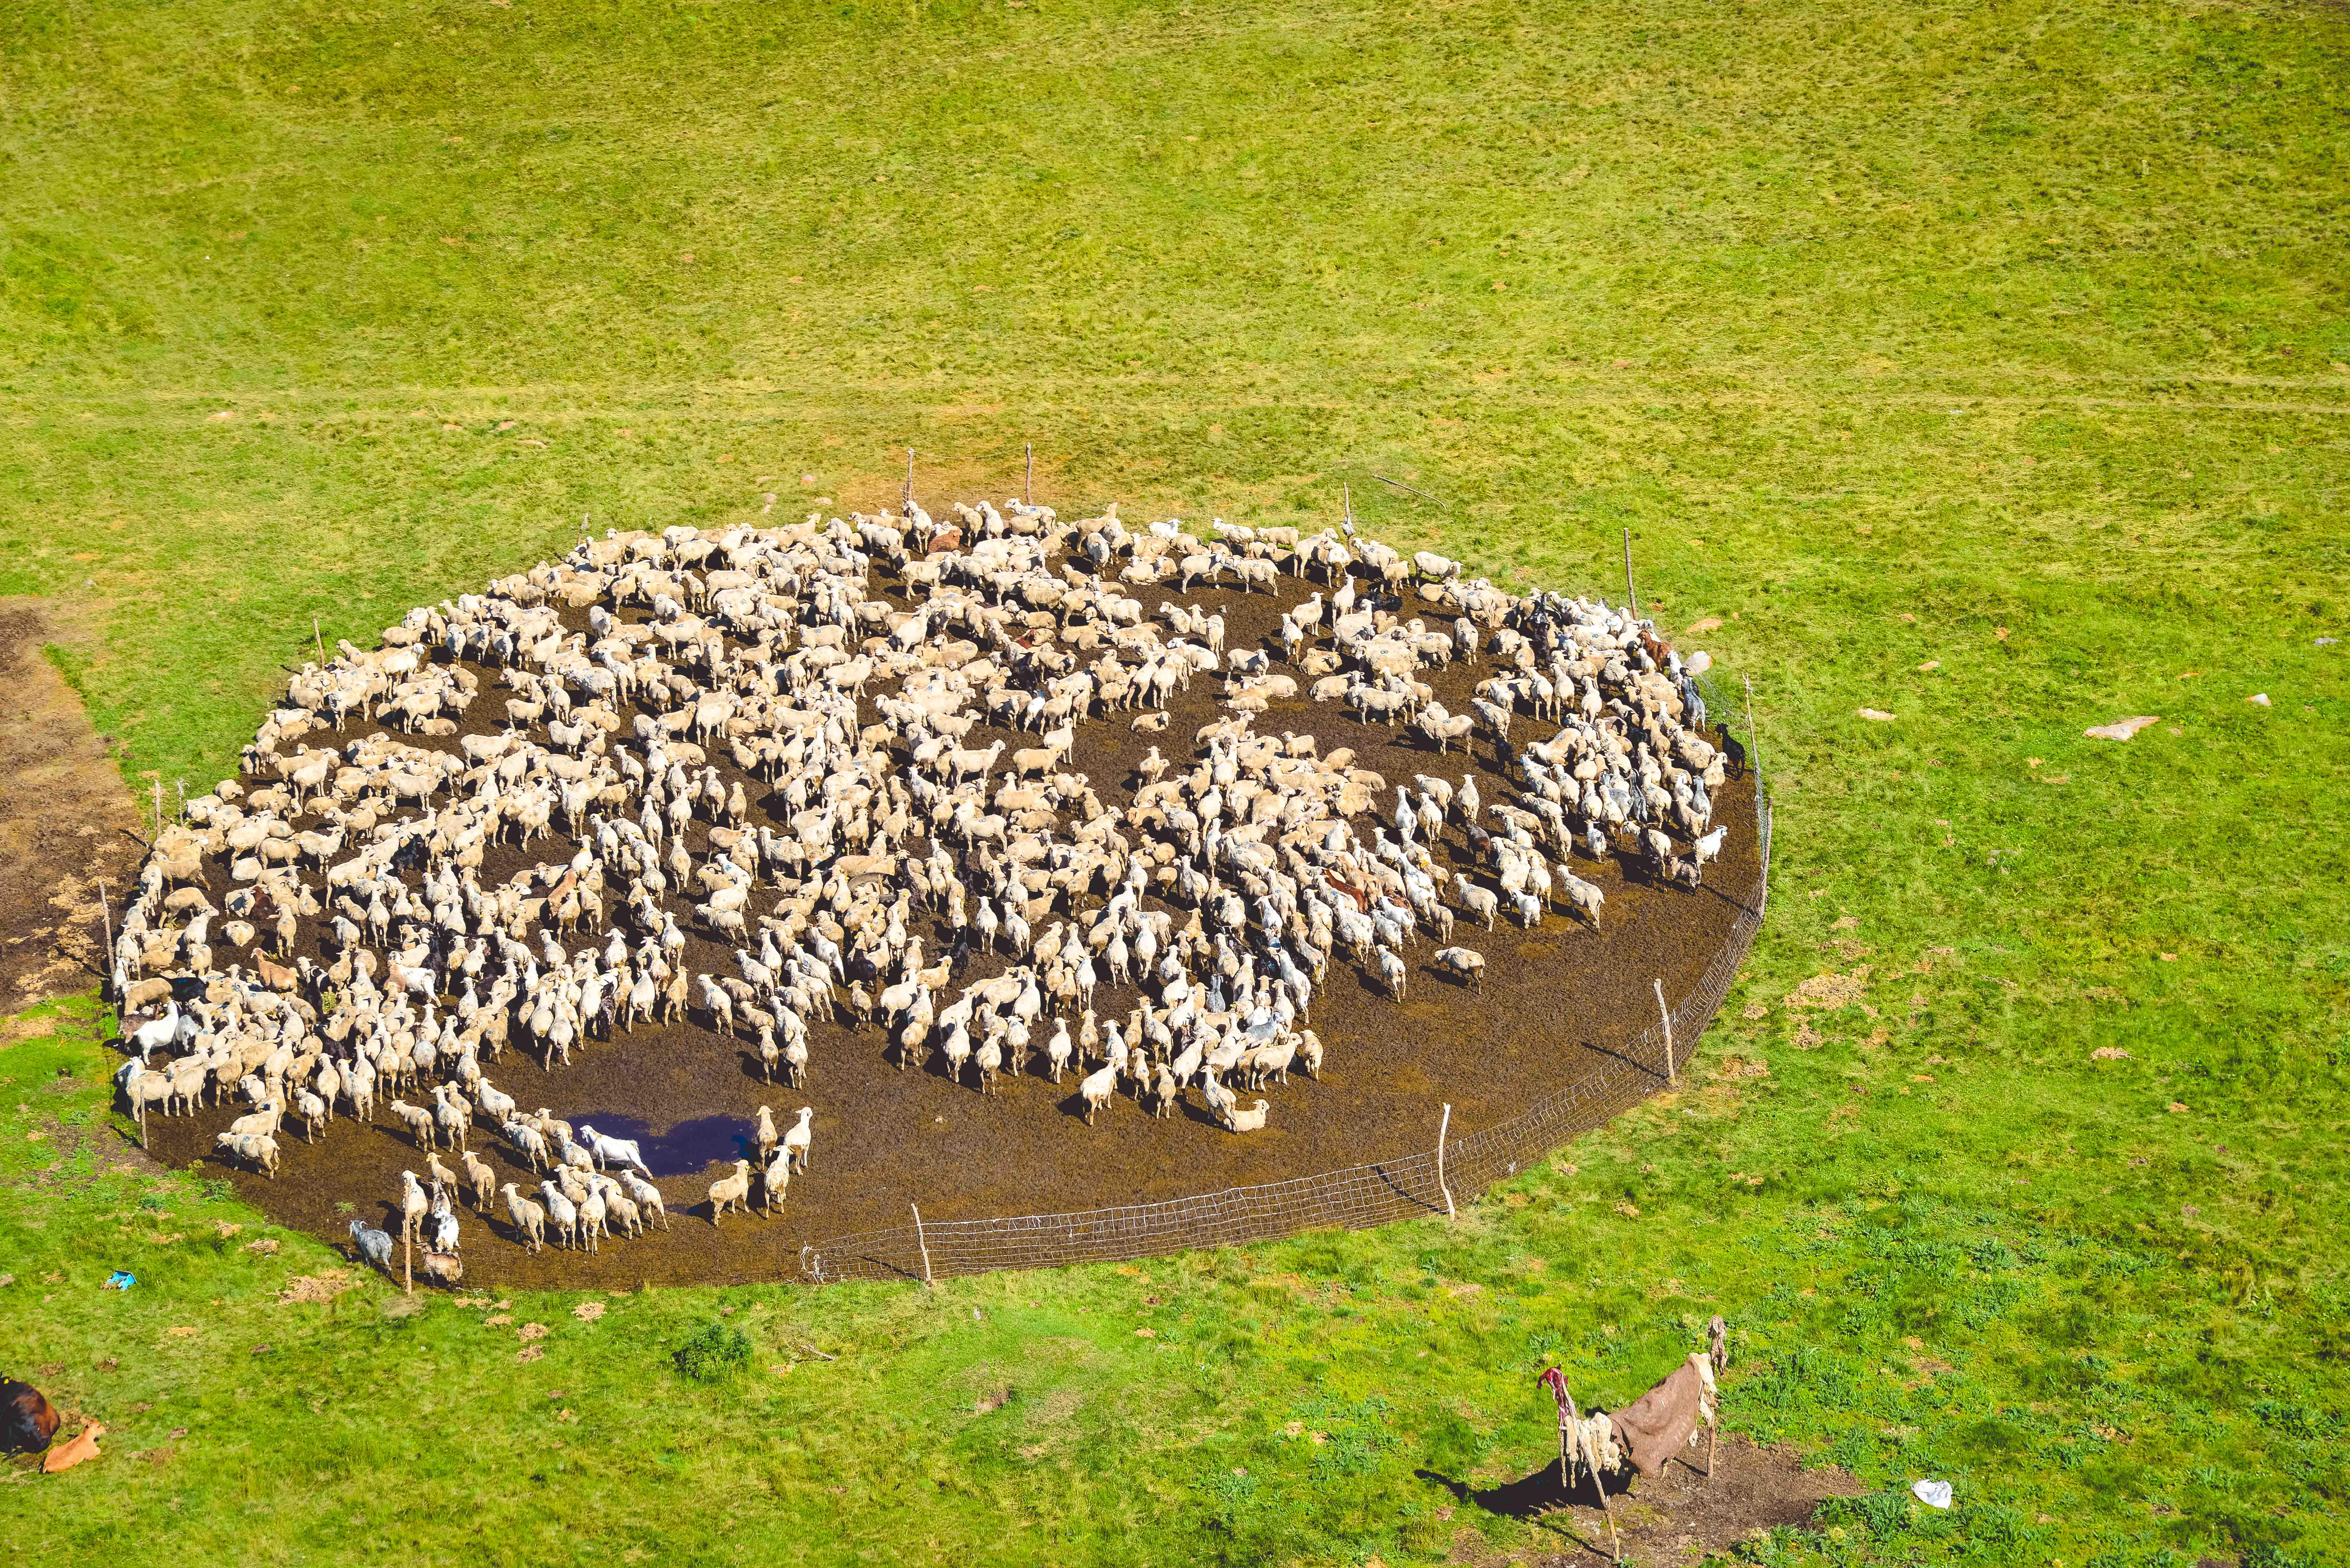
{"x":1877,"y":715}
{"x":2121,"y":728}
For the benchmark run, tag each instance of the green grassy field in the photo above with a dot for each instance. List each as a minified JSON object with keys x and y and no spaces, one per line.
{"x":1986,"y":365}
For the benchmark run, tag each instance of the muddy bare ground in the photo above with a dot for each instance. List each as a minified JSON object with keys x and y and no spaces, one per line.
{"x":65,"y":819}
{"x":1553,"y":998}
{"x":1681,"y":1517}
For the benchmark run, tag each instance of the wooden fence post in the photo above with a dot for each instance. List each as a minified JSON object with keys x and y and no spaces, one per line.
{"x":1442,"y":1127}
{"x":1631,"y":594}
{"x":318,"y":637}
{"x":106,"y":913}
{"x":1753,"y":740}
{"x":407,"y":1254}
{"x":1671,"y":1074}
{"x":1028,"y":483}
{"x":919,"y":1240}
{"x":908,"y":510}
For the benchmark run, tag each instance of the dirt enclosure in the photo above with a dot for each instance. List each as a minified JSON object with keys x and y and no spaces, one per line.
{"x":1554,"y":1000}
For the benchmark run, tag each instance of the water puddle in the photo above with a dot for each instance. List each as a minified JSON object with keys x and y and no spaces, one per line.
{"x":686,"y":1150}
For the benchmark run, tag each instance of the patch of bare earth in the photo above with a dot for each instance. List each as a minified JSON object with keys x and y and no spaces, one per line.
{"x":1681,"y":1517}
{"x":64,"y":813}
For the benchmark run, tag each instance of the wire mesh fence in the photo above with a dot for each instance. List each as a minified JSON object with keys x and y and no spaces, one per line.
{"x":1353,"y":1198}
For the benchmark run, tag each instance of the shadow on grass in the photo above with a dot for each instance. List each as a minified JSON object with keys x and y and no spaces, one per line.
{"x":1539,"y":1498}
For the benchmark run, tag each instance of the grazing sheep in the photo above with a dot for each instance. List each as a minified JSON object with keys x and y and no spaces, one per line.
{"x":1244,"y":1121}
{"x":646,"y":1195}
{"x":1482,"y":903}
{"x":775,"y":1182}
{"x":1097,"y":1089}
{"x":1465,"y":963}
{"x":257,"y":1149}
{"x":374,"y":1245}
{"x":418,"y":1122}
{"x":482,"y":1179}
{"x":608,"y":1151}
{"x":562,"y":1211}
{"x":1392,"y":972}
{"x":731,"y":1191}
{"x":799,"y":1139}
{"x":528,"y":1218}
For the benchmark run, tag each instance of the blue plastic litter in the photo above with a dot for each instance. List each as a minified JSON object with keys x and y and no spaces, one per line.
{"x":120,"y":1280}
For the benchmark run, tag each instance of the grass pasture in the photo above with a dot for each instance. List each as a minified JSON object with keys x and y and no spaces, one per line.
{"x":1981,"y":364}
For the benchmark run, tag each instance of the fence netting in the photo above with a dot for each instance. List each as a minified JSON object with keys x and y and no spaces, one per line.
{"x":1354,"y":1199}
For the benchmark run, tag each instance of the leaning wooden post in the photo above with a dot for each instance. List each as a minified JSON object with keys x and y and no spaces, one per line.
{"x":1599,"y":1482}
{"x":919,"y":1240}
{"x":1753,"y":739}
{"x":408,"y":1253}
{"x":1028,"y":484}
{"x":1629,"y":592}
{"x":158,"y":807}
{"x":106,"y":913}
{"x":1671,"y":1074}
{"x":1442,"y":1127}
{"x":318,"y":637}
{"x":908,"y":510}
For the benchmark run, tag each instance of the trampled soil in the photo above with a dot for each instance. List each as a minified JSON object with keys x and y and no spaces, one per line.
{"x":65,"y":822}
{"x":1683,"y":1516}
{"x":1551,"y":997}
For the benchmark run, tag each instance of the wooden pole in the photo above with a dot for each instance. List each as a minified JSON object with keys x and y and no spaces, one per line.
{"x":182,"y":786}
{"x":159,"y":808}
{"x":1629,"y":593}
{"x":318,"y":637}
{"x":1671,"y":1074}
{"x":919,"y":1240}
{"x":1442,"y":1127}
{"x":408,"y":1253}
{"x":1028,"y":483}
{"x":908,"y":510}
{"x":106,"y":913}
{"x":1753,"y":740}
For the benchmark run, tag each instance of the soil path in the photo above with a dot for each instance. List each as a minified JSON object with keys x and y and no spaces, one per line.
{"x":65,"y":820}
{"x":1551,"y":997}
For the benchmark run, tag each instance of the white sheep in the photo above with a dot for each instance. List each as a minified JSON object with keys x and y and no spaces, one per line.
{"x":1098,"y":1089}
{"x":647,"y":1195}
{"x":562,"y":1211}
{"x":1482,"y":903}
{"x":529,"y":1219}
{"x":798,"y":1140}
{"x":258,"y":1149}
{"x":775,"y":1182}
{"x":731,"y":1191}
{"x":608,"y":1151}
{"x":1466,"y":962}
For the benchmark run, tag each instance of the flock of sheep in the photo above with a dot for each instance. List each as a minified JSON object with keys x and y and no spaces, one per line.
{"x":858,"y":804}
